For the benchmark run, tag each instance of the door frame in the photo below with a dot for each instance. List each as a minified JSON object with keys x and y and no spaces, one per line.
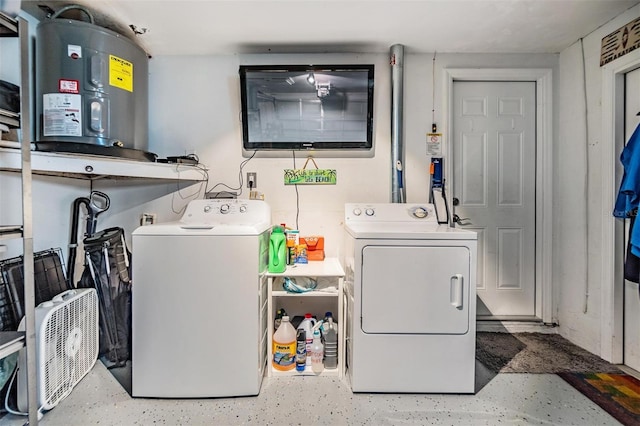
{"x":544,"y":191}
{"x":612,"y":278}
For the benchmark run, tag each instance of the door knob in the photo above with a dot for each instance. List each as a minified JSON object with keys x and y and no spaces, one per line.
{"x":456,"y":201}
{"x":462,"y":221}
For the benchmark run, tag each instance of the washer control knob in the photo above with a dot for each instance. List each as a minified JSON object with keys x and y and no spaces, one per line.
{"x":357,"y":211}
{"x":420,"y":212}
{"x":369,"y":212}
{"x":207,"y":208}
{"x":243,"y":208}
{"x":224,"y":209}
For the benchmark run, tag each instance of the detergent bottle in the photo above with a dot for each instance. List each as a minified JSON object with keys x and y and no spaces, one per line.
{"x":307,"y":325}
{"x":277,"y":251}
{"x":330,"y":344}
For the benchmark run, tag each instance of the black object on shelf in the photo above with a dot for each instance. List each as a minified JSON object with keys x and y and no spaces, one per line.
{"x":9,"y":96}
{"x":86,"y":148}
{"x":49,"y":281}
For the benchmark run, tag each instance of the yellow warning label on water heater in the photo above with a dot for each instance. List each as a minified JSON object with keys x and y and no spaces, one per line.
{"x":120,"y":73}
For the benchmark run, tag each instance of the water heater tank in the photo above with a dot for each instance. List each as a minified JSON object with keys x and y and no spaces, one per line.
{"x":91,"y":91}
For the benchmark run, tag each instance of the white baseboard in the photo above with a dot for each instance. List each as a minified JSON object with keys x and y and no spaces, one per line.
{"x":515,"y":327}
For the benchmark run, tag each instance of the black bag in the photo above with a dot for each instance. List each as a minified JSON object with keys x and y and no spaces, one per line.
{"x":108,"y":270}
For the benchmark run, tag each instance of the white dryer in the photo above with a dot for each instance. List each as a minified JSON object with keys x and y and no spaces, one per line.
{"x":199,"y":309}
{"x":411,"y":300}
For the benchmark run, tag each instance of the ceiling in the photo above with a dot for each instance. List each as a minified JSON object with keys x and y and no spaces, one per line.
{"x":203,"y":27}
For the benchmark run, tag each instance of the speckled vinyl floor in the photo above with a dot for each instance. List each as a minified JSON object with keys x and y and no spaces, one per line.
{"x":532,"y":399}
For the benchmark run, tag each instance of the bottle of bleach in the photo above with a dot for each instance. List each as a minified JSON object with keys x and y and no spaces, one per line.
{"x":277,"y":251}
{"x":284,"y":346}
{"x":307,"y":325}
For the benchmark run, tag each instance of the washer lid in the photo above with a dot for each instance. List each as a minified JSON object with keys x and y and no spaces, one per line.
{"x":216,"y":217}
{"x":200,"y":229}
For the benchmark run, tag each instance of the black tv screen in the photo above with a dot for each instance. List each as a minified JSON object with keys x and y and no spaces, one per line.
{"x":307,"y":107}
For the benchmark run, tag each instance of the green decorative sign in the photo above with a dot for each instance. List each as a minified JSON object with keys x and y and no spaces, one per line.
{"x":310,"y":177}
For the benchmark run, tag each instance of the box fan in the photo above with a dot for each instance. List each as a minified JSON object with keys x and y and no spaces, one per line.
{"x":66,"y":346}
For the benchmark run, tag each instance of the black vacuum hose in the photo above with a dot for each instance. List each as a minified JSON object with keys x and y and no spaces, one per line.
{"x":73,"y":241}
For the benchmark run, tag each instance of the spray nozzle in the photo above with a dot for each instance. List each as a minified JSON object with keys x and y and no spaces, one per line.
{"x":316,"y":328}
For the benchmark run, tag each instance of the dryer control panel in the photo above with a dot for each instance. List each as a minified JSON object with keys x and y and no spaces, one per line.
{"x":390,"y":212}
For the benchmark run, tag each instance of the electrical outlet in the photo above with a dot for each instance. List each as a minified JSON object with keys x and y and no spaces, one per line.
{"x":252,"y":177}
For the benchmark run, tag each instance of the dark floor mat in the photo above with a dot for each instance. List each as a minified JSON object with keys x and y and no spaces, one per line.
{"x":536,"y":353}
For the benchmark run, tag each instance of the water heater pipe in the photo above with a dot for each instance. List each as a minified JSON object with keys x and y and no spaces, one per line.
{"x":71,"y":7}
{"x":397,"y":152}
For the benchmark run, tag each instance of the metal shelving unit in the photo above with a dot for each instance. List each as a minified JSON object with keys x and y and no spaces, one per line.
{"x":78,"y":166}
{"x":91,"y":167}
{"x":11,"y":342}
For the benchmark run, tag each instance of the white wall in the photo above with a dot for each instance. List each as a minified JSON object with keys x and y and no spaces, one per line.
{"x":578,"y":192}
{"x":195,"y":107}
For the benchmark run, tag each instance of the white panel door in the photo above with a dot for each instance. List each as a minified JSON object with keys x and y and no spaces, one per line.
{"x":494,"y":188}
{"x":631,"y":296}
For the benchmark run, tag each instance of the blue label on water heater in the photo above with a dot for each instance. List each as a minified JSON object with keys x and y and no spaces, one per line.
{"x":436,"y":177}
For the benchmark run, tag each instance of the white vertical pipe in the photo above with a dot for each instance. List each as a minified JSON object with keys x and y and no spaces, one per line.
{"x":397,"y":154}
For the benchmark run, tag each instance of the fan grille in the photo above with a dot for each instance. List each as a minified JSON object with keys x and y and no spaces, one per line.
{"x":68,"y":347}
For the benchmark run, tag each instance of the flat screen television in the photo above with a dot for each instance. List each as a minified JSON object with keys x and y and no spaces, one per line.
{"x":307,"y":107}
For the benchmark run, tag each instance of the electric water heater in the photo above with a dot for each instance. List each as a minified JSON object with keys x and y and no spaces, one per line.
{"x":91,"y":90}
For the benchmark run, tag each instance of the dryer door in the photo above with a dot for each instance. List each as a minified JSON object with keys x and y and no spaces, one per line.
{"x":415,"y":289}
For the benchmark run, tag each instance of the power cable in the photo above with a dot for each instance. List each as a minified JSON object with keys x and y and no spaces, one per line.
{"x":586,"y":179}
{"x":297,"y":193}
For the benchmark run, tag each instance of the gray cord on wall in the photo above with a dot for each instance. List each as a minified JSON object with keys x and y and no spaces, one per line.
{"x":433,"y":91}
{"x":586,"y":180}
{"x":297,"y":193}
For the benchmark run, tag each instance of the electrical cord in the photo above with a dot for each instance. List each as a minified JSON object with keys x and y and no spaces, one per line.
{"x":586,"y":180}
{"x":240,"y":179}
{"x":297,"y":193}
{"x":205,"y":175}
{"x":6,"y":399}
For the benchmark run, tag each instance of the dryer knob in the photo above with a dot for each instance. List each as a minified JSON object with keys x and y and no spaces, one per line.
{"x":243,"y":208}
{"x":224,"y":209}
{"x":207,"y":209}
{"x":357,"y":211}
{"x":420,"y":212}
{"x":369,"y":212}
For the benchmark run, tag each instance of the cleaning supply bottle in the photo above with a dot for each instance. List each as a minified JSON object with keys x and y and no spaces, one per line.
{"x":277,"y":251}
{"x":325,"y":324}
{"x":307,"y":325}
{"x":317,"y":351}
{"x":301,"y":350}
{"x":284,"y":346}
{"x":278,"y":319}
{"x":330,"y":344}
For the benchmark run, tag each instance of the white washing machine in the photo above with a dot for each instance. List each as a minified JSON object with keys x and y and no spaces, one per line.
{"x":199,"y":302}
{"x":411,"y":300}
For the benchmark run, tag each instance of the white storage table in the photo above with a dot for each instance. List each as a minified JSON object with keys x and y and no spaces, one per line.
{"x":328,"y":296}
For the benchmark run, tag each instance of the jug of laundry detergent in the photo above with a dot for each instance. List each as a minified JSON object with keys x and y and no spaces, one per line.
{"x":277,"y":250}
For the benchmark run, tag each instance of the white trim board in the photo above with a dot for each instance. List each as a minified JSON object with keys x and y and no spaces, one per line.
{"x":612,"y":309}
{"x":544,"y":139}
